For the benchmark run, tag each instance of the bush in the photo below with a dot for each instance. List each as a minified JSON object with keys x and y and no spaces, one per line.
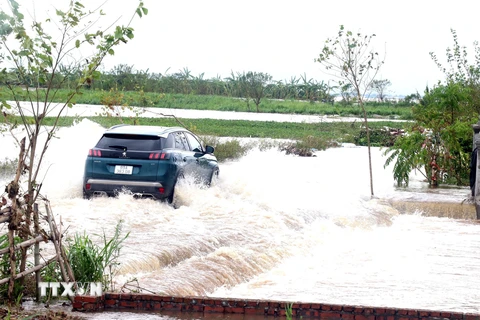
{"x":307,"y":146}
{"x":8,"y":167}
{"x":93,"y":263}
{"x":379,"y":137}
{"x":228,"y":150}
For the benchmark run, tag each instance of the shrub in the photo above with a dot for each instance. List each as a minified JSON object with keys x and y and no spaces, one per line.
{"x":8,"y":167}
{"x":228,"y":150}
{"x":307,"y":146}
{"x":93,"y":263}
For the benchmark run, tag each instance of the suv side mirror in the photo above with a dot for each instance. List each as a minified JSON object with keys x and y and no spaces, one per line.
{"x":209,"y":149}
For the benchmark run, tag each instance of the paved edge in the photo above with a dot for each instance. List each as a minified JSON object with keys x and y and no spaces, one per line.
{"x":158,"y":303}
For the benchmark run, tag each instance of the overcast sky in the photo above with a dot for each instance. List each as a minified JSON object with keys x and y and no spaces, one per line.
{"x":283,"y":38}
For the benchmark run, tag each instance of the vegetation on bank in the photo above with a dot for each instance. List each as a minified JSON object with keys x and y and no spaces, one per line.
{"x":439,"y":143}
{"x":114,"y":98}
{"x":308,"y":135}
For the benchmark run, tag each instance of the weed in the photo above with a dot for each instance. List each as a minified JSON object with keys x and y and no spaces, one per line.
{"x":289,"y":311}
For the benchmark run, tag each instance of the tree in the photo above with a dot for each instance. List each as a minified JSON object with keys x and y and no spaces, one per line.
{"x":411,"y":99}
{"x":380,"y":87}
{"x":37,"y":56}
{"x":350,"y":58}
{"x":256,"y":83}
{"x":460,"y":70}
{"x":440,"y":141}
{"x":347,"y":93}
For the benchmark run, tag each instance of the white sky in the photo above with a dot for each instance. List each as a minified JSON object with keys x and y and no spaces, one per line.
{"x":283,"y":37}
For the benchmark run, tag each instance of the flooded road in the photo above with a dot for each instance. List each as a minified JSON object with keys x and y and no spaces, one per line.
{"x":282,"y":227}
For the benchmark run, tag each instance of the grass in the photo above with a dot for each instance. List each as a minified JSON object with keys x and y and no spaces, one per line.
{"x":305,"y":135}
{"x":94,"y":263}
{"x":289,"y":311}
{"x":327,"y":131}
{"x":221,"y":103}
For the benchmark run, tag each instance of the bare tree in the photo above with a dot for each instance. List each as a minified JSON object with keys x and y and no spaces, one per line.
{"x":380,"y":87}
{"x":350,"y":58}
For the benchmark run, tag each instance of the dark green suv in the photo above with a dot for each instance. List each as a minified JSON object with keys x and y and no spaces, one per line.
{"x":146,"y":160}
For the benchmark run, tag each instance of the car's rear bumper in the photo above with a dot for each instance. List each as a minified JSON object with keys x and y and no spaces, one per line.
{"x":113,"y":187}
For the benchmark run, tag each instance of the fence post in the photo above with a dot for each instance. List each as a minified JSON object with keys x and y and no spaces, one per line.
{"x":476,"y":169}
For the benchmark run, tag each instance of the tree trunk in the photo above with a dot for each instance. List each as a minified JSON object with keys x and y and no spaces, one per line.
{"x":368,"y":146}
{"x":15,"y":219}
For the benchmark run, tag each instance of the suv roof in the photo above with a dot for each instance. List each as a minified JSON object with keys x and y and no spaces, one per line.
{"x":143,"y":130}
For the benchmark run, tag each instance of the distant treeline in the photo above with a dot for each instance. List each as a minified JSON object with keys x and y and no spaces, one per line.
{"x":247,"y":85}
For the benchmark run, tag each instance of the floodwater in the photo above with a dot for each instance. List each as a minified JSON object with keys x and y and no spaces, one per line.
{"x":84,"y":110}
{"x":282,"y":227}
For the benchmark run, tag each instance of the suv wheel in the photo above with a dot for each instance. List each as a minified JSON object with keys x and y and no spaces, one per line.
{"x":171,"y":198}
{"x":213,"y":177}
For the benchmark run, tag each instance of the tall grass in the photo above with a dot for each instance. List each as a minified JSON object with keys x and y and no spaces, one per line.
{"x":92,"y":262}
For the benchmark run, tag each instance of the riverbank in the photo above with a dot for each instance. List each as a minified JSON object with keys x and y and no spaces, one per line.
{"x":315,"y":131}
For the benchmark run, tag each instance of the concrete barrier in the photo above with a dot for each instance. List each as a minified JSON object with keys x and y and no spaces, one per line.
{"x":157,"y":303}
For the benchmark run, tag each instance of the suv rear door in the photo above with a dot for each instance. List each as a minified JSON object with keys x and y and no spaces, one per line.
{"x":126,"y":157}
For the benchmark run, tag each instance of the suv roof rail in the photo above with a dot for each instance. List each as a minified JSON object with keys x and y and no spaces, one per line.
{"x":118,"y":125}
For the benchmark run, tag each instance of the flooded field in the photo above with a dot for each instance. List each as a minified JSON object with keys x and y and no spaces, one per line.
{"x":285,"y":228}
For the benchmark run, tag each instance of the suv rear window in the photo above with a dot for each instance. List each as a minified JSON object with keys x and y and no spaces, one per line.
{"x":131,"y":142}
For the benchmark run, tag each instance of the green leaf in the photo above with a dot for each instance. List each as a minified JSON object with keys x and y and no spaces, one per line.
{"x":118,"y":32}
{"x":6,"y":105}
{"x":77,"y":43}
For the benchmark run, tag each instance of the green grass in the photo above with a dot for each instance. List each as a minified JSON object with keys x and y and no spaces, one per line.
{"x":338,"y":131}
{"x":95,"y":263}
{"x":316,"y":133}
{"x":220,"y":103}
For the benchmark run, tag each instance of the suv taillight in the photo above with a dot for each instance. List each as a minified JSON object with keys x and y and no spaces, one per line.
{"x":159,"y":156}
{"x":94,"y":153}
